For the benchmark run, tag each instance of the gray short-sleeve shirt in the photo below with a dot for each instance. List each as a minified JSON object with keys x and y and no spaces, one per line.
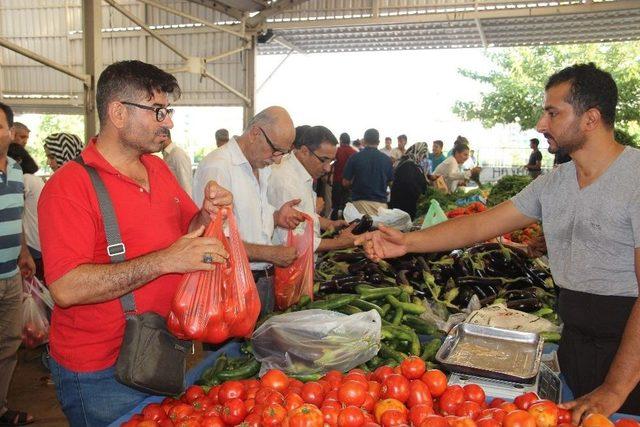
{"x":591,"y":233}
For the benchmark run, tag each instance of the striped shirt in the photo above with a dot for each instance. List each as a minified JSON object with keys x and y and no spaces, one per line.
{"x":11,"y":207}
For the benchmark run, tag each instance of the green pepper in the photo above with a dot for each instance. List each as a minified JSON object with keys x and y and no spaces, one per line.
{"x":376,"y":293}
{"x":397,"y":317}
{"x":390,"y":353}
{"x":333,"y":303}
{"x":385,"y":309}
{"x":349,"y":310}
{"x":247,"y":370}
{"x":407,"y":307}
{"x":420,"y":325}
{"x":367,"y":305}
{"x":430,"y":349}
{"x":306,"y":377}
{"x":210,"y":376}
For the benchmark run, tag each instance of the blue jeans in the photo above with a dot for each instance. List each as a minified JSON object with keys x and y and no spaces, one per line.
{"x":92,"y":398}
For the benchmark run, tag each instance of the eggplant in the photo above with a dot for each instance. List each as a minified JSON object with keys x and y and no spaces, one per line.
{"x":350,"y":257}
{"x":358,"y":266}
{"x":401,"y":278}
{"x":480,"y":281}
{"x":464,"y":296}
{"x":527,"y":305}
{"x":479,"y":292}
{"x":519,"y":294}
{"x":363,"y":225}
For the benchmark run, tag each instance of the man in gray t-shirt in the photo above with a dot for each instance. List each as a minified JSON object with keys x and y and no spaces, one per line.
{"x":590,"y":209}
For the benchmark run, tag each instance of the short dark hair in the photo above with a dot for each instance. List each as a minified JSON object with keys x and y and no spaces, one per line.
{"x":316,"y":135}
{"x":459,"y":148}
{"x":300,"y":131}
{"x":18,"y":153}
{"x":591,"y":87}
{"x":403,"y":136}
{"x":357,"y":143}
{"x":535,"y":141}
{"x":439,"y":143}
{"x":387,"y":138}
{"x":461,"y":140}
{"x":345,"y":139}
{"x":7,"y":112}
{"x":371,"y":137}
{"x":130,"y":81}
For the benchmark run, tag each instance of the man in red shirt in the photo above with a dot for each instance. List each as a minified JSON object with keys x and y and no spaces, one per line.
{"x":339,"y":193}
{"x":161,"y":230}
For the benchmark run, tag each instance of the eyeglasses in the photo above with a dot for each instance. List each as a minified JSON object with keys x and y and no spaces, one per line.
{"x":275,"y":152}
{"x":161,"y":112}
{"x":323,"y":160}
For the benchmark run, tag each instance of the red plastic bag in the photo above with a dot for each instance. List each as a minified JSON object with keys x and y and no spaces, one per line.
{"x":213,"y":306}
{"x":35,"y":326}
{"x":294,"y":281}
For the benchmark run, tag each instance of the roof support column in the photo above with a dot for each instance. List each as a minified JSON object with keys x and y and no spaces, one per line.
{"x":92,"y":37}
{"x":250,"y":82}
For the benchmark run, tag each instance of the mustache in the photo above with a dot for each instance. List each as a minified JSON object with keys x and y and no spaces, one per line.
{"x":162,"y":132}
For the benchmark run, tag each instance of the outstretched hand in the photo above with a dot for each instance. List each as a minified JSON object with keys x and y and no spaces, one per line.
{"x":386,"y":242}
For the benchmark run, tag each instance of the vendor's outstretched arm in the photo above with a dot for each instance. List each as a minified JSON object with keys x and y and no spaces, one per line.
{"x":624,"y":373}
{"x":452,"y":234}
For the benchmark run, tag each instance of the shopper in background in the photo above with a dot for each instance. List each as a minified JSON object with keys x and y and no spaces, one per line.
{"x":33,"y":186}
{"x":534,"y":166}
{"x":451,"y":168}
{"x":14,"y":259}
{"x":399,"y":151}
{"x":436,"y":156}
{"x":339,"y":193}
{"x":409,"y":179}
{"x":594,"y":257}
{"x":222,"y":137}
{"x":20,"y":133}
{"x":387,"y":150}
{"x":368,"y":174}
{"x":61,"y":148}
{"x":179,"y":163}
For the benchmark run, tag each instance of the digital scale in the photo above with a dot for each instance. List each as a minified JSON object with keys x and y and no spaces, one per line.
{"x":503,"y":362}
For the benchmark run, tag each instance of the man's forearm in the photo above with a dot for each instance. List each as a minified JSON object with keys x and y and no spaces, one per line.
{"x":95,"y":283}
{"x":624,"y":373}
{"x":257,"y":252}
{"x":332,"y":244}
{"x":463,"y":231}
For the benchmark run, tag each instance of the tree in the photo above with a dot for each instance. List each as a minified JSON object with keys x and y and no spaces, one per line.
{"x":516,"y":83}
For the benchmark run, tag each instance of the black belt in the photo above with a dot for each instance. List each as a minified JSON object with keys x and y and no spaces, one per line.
{"x":263,"y":272}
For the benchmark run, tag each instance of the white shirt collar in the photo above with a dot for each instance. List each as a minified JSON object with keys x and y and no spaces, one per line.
{"x":169,"y":148}
{"x":237,"y":156}
{"x":299,"y":168}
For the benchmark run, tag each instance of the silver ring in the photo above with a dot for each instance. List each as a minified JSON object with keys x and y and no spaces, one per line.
{"x":207,"y":258}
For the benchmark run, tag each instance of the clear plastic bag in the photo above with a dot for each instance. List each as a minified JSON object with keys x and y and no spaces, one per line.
{"x":395,"y":218}
{"x":294,"y":281}
{"x":35,"y":326}
{"x":435,"y":215}
{"x":39,"y":291}
{"x":317,"y":341}
{"x":213,"y":306}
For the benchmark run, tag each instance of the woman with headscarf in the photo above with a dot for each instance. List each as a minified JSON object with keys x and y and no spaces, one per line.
{"x":409,"y":180}
{"x":60,"y":148}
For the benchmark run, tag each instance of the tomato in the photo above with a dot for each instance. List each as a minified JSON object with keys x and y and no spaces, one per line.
{"x":275,"y":379}
{"x":474,"y":393}
{"x":462,"y":422}
{"x":250,"y":383}
{"x":193,"y":392}
{"x":350,"y":416}
{"x":273,"y":415}
{"x":231,"y":390}
{"x":488,"y":422}
{"x":396,"y":387}
{"x":374,"y":390}
{"x":495,"y":403}
{"x":292,"y":401}
{"x":326,"y":386}
{"x":545,"y":413}
{"x":393,"y":418}
{"x":352,"y":393}
{"x":147,"y":423}
{"x":413,"y":367}
{"x":436,"y":380}
{"x":212,"y":394}
{"x":263,"y":393}
{"x":369,"y":403}
{"x":418,"y":413}
{"x":294,"y":383}
{"x":154,"y":412}
{"x":381,"y":373}
{"x":388,"y":405}
{"x":252,"y":420}
{"x":625,"y":422}
{"x":564,"y":416}
{"x":168,"y":403}
{"x":305,"y":416}
{"x":165,"y":422}
{"x":495,"y":413}
{"x":213,"y":410}
{"x":596,"y":420}
{"x":451,"y":399}
{"x":212,"y":421}
{"x":525,"y":400}
{"x":274,"y":397}
{"x":357,"y":377}
{"x":332,"y":404}
{"x":508,"y":407}
{"x":233,"y":411}
{"x":419,"y":394}
{"x":469,"y":409}
{"x":434,"y":421}
{"x":330,"y":415}
{"x":567,"y":425}
{"x":180,"y":411}
{"x":519,"y":418}
{"x":202,"y":403}
{"x":312,"y":392}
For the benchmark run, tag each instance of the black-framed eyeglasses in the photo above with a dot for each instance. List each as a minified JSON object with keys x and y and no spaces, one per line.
{"x":161,"y":112}
{"x":323,"y":160}
{"x":275,"y":151}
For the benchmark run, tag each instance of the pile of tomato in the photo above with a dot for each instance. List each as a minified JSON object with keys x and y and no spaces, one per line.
{"x":408,"y":395}
{"x":525,"y":235}
{"x":470,"y":209}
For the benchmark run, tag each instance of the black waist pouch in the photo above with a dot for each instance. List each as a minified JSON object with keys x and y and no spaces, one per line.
{"x":151,"y":359}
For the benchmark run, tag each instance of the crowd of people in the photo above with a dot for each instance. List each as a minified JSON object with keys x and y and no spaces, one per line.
{"x":277,"y":177}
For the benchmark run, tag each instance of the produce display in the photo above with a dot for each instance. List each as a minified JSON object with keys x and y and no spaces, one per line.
{"x":507,"y":187}
{"x":407,"y":395}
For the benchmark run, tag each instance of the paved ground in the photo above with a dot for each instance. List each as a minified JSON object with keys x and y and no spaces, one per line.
{"x":32,"y":391}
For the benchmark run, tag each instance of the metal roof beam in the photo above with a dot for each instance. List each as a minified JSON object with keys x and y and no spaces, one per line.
{"x":222,"y":8}
{"x":416,"y":18}
{"x":275,"y":8}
